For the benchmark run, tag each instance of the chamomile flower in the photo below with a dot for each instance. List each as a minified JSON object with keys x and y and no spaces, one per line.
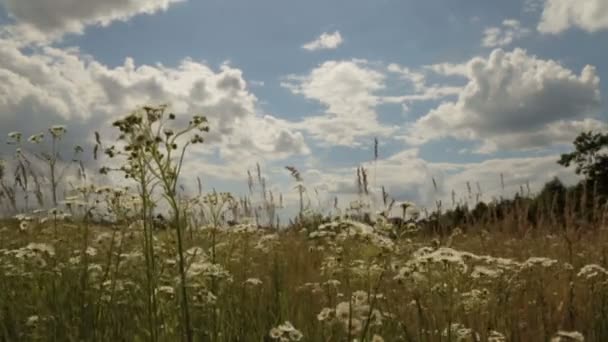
{"x":36,"y":138}
{"x":15,"y":137}
{"x":286,"y":332}
{"x":57,"y":131}
{"x":23,"y":226}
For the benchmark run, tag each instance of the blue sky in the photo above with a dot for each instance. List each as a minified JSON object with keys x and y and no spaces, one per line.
{"x":454,"y":90}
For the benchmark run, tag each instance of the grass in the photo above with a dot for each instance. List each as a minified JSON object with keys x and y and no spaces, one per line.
{"x":221,"y":269}
{"x":360,"y":284}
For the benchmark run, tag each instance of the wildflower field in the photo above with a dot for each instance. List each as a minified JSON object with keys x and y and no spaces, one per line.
{"x":141,"y":260}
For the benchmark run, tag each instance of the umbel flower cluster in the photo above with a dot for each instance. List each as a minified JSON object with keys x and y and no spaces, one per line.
{"x":147,"y":136}
{"x":154,"y":150}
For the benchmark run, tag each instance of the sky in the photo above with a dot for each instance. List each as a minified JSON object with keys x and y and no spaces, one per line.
{"x":455,"y":91}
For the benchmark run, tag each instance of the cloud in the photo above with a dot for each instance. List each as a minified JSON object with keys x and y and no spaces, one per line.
{"x":504,"y":35}
{"x":427,"y":93}
{"x":342,"y":182}
{"x":448,"y":69}
{"x":417,"y":78}
{"x":533,"y":6}
{"x":560,"y":15}
{"x":62,"y":86}
{"x":418,"y":186}
{"x":348,"y":90}
{"x":326,"y":41}
{"x":422,"y":91}
{"x":48,"y":20}
{"x":515,"y":100}
{"x":352,"y":90}
{"x":517,"y":173}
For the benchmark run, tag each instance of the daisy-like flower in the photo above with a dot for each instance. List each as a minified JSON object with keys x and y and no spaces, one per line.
{"x":286,"y":332}
{"x":325,"y":314}
{"x":36,"y":138}
{"x":167,"y":290}
{"x":23,"y":226}
{"x":22,"y":217}
{"x":32,"y":321}
{"x":64,"y":216}
{"x":568,"y":336}
{"x":15,"y":136}
{"x":41,"y":248}
{"x":377,"y":338}
{"x":360,"y":297}
{"x":91,"y":251}
{"x":592,"y":271}
{"x":253,"y":281}
{"x":496,"y":336}
{"x":355,"y":325}
{"x":343,"y":311}
{"x":275,"y":333}
{"x":57,"y":131}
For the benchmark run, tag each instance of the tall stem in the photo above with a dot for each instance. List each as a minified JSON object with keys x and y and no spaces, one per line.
{"x":149,"y":256}
{"x":182,"y":273}
{"x":52,"y":166}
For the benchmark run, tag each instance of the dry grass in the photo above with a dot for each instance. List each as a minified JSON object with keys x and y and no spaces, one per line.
{"x":412,"y":290}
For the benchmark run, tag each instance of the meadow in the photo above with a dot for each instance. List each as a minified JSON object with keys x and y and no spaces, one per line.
{"x":146,"y":262}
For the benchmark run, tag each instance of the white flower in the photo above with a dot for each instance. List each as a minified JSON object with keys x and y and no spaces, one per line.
{"x":536,"y":261}
{"x":286,"y":332}
{"x":461,"y":333}
{"x":333,"y":282}
{"x":22,"y":217}
{"x":592,"y":271}
{"x":359,"y":297}
{"x":16,"y":136}
{"x":36,"y":138}
{"x":253,"y":281}
{"x":57,"y":131}
{"x":275,"y":333}
{"x":377,"y":338}
{"x":168,"y":290}
{"x":91,"y":251}
{"x":41,"y":248}
{"x":23,"y":225}
{"x":568,"y":336}
{"x":74,"y":201}
{"x":484,"y":272}
{"x":64,"y":216}
{"x":356,"y":326}
{"x":343,"y":311}
{"x":495,"y":336}
{"x":32,"y":321}
{"x":325,"y":314}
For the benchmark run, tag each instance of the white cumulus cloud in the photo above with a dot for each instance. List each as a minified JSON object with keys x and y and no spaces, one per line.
{"x":326,"y":41}
{"x":504,"y":35}
{"x":560,"y":15}
{"x":515,"y":100}
{"x":47,"y":20}
{"x":61,"y":86}
{"x":348,"y":90}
